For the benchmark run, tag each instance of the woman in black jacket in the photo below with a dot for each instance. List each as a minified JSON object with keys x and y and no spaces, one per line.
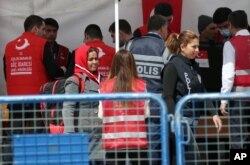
{"x":181,"y":77}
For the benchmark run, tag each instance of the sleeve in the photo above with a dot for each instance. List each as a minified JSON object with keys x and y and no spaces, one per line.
{"x":100,"y":110}
{"x":146,"y":109}
{"x":69,"y":107}
{"x":228,"y":68}
{"x":71,"y":66}
{"x":169,"y":79}
{"x":50,"y":64}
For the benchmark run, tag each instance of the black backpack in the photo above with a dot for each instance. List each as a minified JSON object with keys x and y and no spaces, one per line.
{"x":52,"y":111}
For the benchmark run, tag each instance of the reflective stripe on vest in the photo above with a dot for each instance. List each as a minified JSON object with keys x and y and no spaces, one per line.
{"x":241,"y":89}
{"x":149,"y":66}
{"x":124,"y":118}
{"x":124,"y":135}
{"x":242,"y":72}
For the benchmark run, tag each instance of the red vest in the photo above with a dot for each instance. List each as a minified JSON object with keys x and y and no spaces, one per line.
{"x":124,"y":126}
{"x":25,"y":72}
{"x":62,"y":57}
{"x":106,"y":54}
{"x":241,"y":45}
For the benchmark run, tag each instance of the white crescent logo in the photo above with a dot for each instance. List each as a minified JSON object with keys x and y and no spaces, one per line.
{"x":25,"y":44}
{"x":101,"y":53}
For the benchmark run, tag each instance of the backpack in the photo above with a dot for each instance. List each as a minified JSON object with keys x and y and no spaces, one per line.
{"x":52,"y":111}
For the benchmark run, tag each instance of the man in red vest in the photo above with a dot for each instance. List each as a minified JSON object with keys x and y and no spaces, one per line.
{"x":61,"y":54}
{"x":93,"y":37}
{"x":28,"y":64}
{"x":236,"y":78}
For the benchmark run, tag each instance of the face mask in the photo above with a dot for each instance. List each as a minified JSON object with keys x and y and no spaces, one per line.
{"x":225,"y":33}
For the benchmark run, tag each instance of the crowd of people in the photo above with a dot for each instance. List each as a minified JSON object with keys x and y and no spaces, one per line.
{"x":152,"y":59}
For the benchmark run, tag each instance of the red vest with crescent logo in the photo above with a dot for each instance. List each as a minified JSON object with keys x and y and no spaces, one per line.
{"x":241,"y":45}
{"x":124,"y":126}
{"x":105,"y":54}
{"x":25,"y":72}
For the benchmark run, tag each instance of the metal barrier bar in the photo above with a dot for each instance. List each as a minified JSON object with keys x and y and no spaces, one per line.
{"x":179,"y":120}
{"x":101,"y":97}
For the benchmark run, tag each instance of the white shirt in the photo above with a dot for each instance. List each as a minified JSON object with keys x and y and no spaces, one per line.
{"x":228,"y":67}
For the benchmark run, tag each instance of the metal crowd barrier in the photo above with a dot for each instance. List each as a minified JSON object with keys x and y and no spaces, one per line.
{"x":29,"y":142}
{"x":197,"y":139}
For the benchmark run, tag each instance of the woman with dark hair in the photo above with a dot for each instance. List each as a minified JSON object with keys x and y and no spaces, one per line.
{"x":124,"y":128}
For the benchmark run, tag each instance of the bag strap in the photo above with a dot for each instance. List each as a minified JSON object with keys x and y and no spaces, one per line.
{"x":81,"y":81}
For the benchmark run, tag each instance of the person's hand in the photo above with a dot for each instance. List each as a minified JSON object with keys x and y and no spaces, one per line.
{"x":217,"y":122}
{"x":223,"y":109}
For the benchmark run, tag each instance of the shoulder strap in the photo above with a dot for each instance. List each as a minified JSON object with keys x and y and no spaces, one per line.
{"x":81,"y":81}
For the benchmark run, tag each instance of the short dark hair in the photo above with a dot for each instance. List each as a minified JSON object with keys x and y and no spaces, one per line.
{"x":31,"y":21}
{"x":164,"y":9}
{"x":124,"y":26}
{"x":51,"y":22}
{"x":221,"y":14}
{"x":156,"y":22}
{"x":238,"y":19}
{"x":93,"y":31}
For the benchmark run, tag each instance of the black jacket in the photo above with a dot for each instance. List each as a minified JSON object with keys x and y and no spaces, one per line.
{"x":181,"y":77}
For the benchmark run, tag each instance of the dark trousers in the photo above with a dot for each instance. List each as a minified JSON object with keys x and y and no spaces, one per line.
{"x":135,"y":157}
{"x":239,"y":120}
{"x":25,"y":119}
{"x":154,"y":138}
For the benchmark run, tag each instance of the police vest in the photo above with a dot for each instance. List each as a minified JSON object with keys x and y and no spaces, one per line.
{"x":188,"y":81}
{"x":124,"y":126}
{"x":148,"y":51}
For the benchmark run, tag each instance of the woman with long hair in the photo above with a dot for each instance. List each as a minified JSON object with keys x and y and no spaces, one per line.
{"x":124,"y":128}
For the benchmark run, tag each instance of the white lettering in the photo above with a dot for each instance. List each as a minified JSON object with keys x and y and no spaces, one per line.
{"x":148,"y":70}
{"x":240,"y":156}
{"x":155,"y":71}
{"x":139,"y":69}
{"x":188,"y":82}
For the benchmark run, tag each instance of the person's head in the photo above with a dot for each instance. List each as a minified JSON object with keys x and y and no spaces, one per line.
{"x":220,"y":18}
{"x":187,"y":44}
{"x":125,"y":31}
{"x":207,"y":29}
{"x":164,"y":9}
{"x":86,"y":58}
{"x":123,"y":68}
{"x":237,"y":21}
{"x":51,"y":28}
{"x":35,"y":24}
{"x":92,"y":32}
{"x":158,"y":24}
